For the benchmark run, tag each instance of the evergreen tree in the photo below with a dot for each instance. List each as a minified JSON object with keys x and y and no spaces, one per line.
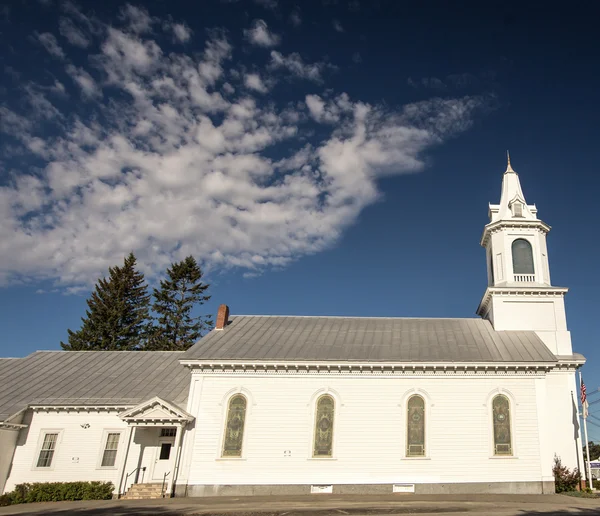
{"x":176,"y":329}
{"x":117,"y":315}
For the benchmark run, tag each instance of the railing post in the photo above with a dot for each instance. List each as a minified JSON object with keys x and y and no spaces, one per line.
{"x":162,"y":489}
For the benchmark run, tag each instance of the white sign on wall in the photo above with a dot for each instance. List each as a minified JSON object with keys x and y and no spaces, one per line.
{"x":403,"y":488}
{"x":321,"y":489}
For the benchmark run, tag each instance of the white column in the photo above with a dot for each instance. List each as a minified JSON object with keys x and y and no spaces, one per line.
{"x":178,"y":447}
{"x":129,"y":437}
{"x":173,"y":460}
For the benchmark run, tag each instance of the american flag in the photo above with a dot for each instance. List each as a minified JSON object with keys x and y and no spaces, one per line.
{"x":584,"y":402}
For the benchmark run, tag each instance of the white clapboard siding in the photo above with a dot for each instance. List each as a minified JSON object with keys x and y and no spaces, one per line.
{"x":78,"y":451}
{"x":370,"y":431}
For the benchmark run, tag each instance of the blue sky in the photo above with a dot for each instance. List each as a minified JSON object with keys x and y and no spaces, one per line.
{"x":318,"y":157}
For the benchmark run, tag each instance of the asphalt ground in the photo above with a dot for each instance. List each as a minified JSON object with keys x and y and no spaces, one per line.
{"x":326,"y":505}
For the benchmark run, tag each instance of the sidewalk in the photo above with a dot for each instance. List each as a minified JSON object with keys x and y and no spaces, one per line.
{"x":325,"y":505}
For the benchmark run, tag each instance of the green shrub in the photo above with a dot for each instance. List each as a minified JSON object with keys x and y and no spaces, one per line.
{"x":58,"y":491}
{"x":6,"y":499}
{"x":596,"y":484}
{"x":564,"y":479}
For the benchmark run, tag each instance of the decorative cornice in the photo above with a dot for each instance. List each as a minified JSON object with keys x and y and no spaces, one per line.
{"x":370,"y":369}
{"x":5,"y":425}
{"x":78,"y":408}
{"x":518,"y":292}
{"x":171,"y":414}
{"x":499,"y":225}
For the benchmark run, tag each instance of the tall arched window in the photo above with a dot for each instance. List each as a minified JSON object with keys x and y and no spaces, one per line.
{"x":234,"y":426}
{"x":501,"y":421}
{"x":323,"y":441}
{"x":522,"y":256}
{"x":415,"y":427}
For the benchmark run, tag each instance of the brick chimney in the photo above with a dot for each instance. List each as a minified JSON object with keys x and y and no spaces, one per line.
{"x":222,"y":317}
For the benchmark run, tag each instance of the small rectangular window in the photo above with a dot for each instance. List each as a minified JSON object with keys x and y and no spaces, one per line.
{"x":110,"y":450}
{"x":168,"y":432}
{"x":47,"y":450}
{"x":165,"y":451}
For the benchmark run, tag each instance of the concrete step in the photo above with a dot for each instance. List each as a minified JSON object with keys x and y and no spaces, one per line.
{"x":144,"y":491}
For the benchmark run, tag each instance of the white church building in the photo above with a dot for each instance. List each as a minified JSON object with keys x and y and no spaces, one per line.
{"x":292,"y":405}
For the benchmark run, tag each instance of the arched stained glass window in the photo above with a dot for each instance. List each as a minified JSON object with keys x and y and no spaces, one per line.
{"x":323,"y":442}
{"x":234,"y":427}
{"x":501,"y":421}
{"x":522,"y":256}
{"x":415,"y":427}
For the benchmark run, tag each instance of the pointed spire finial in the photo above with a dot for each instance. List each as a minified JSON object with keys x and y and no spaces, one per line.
{"x":508,"y":167}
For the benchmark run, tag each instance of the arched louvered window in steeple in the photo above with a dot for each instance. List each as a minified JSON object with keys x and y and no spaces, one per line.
{"x":522,"y":257}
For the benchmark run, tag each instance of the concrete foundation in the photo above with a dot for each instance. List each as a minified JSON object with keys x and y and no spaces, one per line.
{"x":541,"y":487}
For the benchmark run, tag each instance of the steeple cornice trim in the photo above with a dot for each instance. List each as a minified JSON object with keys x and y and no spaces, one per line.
{"x":490,"y":292}
{"x":494,"y":227}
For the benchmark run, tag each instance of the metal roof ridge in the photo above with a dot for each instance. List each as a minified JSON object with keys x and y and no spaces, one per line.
{"x":363,"y":317}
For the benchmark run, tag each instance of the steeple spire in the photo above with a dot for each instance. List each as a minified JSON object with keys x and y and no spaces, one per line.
{"x":508,"y":167}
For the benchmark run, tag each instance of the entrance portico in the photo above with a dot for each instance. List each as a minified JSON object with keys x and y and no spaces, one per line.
{"x":157,"y":426}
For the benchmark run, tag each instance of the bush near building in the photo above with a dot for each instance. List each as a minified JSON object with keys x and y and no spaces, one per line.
{"x":58,"y":492}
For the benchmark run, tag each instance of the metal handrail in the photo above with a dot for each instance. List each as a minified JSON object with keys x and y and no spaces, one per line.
{"x":137,"y":476}
{"x":162,"y":489}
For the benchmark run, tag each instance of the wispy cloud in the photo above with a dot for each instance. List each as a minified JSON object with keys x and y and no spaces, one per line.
{"x":173,"y":155}
{"x":296,"y":18}
{"x":50,"y":44}
{"x":337,"y":25}
{"x":260,"y":35}
{"x":295,"y":65}
{"x":267,"y":4}
{"x":72,"y":33}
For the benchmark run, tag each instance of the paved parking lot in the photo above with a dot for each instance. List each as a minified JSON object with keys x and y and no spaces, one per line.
{"x":326,"y":505}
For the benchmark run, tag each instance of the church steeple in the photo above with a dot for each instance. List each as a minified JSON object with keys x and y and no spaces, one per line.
{"x":520,"y":295}
{"x":512,"y":201}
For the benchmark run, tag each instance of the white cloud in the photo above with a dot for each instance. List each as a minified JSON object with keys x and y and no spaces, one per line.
{"x":50,"y":44}
{"x":295,"y":18}
{"x":174,"y":161}
{"x":338,"y":26}
{"x":72,"y":33}
{"x":89,"y":87}
{"x":260,"y":35}
{"x":294,"y":64}
{"x":254,"y":82}
{"x":138,"y":19}
{"x":182,"y":32}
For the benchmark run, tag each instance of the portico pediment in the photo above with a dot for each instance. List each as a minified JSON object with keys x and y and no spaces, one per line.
{"x":156,"y":412}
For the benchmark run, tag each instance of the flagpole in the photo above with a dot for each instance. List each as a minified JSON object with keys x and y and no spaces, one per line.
{"x":590,"y":482}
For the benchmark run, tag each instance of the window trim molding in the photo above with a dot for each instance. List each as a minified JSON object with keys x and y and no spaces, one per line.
{"x":38,"y":449}
{"x":105,"y":432}
{"x":224,"y":415}
{"x":489,"y":414}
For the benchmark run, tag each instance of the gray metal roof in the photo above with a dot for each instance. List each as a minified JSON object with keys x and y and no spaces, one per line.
{"x":91,"y":378}
{"x":367,"y":339}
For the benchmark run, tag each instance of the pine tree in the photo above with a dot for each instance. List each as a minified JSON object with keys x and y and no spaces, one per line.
{"x":117,"y":315}
{"x":183,"y":289}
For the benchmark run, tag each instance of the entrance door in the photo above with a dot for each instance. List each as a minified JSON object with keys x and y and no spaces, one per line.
{"x":162,"y":459}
